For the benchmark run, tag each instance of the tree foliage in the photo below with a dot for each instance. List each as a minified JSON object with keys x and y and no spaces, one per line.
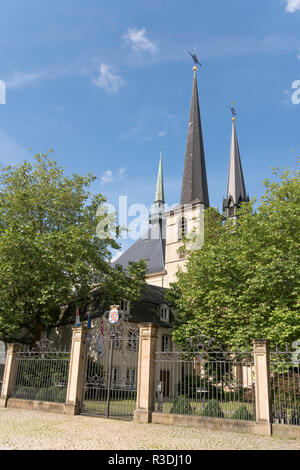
{"x":50,"y":254}
{"x":244,"y":283}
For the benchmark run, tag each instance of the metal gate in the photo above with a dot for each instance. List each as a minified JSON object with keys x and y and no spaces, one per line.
{"x":110,"y":384}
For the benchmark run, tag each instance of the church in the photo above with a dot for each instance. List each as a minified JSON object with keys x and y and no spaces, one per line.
{"x":160,"y":246}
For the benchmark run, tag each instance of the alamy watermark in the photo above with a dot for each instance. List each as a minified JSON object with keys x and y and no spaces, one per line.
{"x":296,"y":95}
{"x":137,"y":221}
{"x":2,"y":92}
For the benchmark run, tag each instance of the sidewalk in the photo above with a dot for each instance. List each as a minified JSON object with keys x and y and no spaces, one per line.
{"x":31,"y":430}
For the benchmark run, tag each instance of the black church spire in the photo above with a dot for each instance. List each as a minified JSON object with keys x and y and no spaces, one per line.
{"x":194,"y":183}
{"x":236,"y":189}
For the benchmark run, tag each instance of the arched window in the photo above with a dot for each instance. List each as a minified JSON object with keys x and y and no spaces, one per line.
{"x":182,"y":228}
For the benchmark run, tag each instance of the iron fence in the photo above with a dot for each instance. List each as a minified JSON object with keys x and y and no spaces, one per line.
{"x":42,"y":373}
{"x":285,"y":387}
{"x":2,"y":367}
{"x":205,"y":383}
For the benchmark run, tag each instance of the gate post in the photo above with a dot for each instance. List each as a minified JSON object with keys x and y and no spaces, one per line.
{"x":146,"y":373}
{"x":78,"y":360}
{"x":262,"y":386}
{"x":10,"y":372}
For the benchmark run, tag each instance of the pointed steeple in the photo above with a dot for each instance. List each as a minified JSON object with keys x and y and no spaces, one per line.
{"x":160,"y":194}
{"x":157,"y":230}
{"x":159,"y":203}
{"x":236,"y":189}
{"x":194,"y":183}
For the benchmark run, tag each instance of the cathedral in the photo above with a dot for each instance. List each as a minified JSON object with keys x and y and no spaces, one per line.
{"x":160,"y":246}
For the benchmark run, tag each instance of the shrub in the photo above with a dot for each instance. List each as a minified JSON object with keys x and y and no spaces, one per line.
{"x":27,"y":393}
{"x":191,"y":383}
{"x":47,"y":394}
{"x":243,"y":413}
{"x":213,"y":409}
{"x":295,"y":416}
{"x":61,"y":396}
{"x":181,"y":406}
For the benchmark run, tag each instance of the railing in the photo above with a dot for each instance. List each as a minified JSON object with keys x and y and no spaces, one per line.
{"x":214,"y":384}
{"x":42,"y":373}
{"x":285,"y":387}
{"x":2,"y":367}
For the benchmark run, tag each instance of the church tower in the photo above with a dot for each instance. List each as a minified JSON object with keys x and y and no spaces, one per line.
{"x":162,"y":246}
{"x":236,"y":189}
{"x":188,"y":217}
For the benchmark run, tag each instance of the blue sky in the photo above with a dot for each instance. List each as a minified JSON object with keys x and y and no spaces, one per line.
{"x":106,"y":84}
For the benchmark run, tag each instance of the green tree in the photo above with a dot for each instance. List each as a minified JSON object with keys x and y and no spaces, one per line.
{"x":50,"y":254}
{"x":244,"y":283}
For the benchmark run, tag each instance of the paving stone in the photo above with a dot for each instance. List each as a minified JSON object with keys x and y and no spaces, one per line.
{"x":33,"y":430}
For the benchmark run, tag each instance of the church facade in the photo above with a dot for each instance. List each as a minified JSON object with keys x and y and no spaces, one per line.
{"x":162,"y":245}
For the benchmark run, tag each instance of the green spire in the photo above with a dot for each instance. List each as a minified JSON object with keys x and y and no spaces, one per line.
{"x":159,"y":203}
{"x":160,"y":194}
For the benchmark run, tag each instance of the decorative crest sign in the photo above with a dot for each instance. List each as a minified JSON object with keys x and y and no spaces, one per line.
{"x":113,"y":316}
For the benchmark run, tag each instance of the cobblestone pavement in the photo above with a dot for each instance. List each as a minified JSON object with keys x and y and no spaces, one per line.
{"x":37,"y":430}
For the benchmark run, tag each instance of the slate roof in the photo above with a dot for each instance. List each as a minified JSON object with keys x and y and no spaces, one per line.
{"x":144,"y":310}
{"x":150,"y":247}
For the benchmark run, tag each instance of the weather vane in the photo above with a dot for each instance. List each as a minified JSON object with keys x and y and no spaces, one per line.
{"x":232,"y":109}
{"x":195,"y":59}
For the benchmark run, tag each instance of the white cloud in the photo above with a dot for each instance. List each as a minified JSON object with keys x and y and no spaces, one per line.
{"x":108,"y":79}
{"x":138,"y":41}
{"x":21,"y":79}
{"x":109,"y":176}
{"x":292,"y":6}
{"x":121,"y":172}
{"x":162,"y":133}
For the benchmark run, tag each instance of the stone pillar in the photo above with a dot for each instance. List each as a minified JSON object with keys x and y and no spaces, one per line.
{"x":146,"y":373}
{"x":10,"y":372}
{"x":262,"y":386}
{"x":77,"y":369}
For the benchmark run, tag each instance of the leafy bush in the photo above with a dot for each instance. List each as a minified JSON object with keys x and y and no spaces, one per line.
{"x":24,"y":393}
{"x":42,"y":394}
{"x":181,"y":406}
{"x":213,"y":409}
{"x":61,"y":396}
{"x":45,"y":372}
{"x":48,"y":394}
{"x":239,"y":394}
{"x":191,"y":383}
{"x":243,"y":413}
